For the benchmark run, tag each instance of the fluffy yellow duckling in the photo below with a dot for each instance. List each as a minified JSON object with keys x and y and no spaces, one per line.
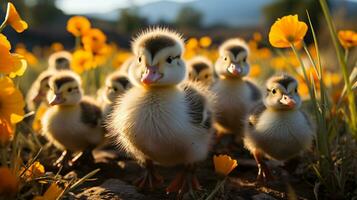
{"x":235,"y":94}
{"x":277,"y":128}
{"x":116,"y":84}
{"x":60,"y":61}
{"x":200,"y":69}
{"x":72,"y":123}
{"x":38,"y":90}
{"x":156,"y":121}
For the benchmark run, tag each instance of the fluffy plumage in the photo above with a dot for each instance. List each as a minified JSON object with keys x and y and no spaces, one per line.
{"x":38,"y":90}
{"x":200,"y":69}
{"x":71,"y":122}
{"x":236,"y":94}
{"x":277,"y":129}
{"x":60,"y":61}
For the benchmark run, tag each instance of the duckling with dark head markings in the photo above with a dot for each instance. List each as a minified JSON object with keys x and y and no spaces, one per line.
{"x":72,"y":122}
{"x":116,"y":84}
{"x":277,"y":128}
{"x":157,"y":121}
{"x":200,"y":69}
{"x":38,"y":90}
{"x":235,"y":94}
{"x":60,"y":61}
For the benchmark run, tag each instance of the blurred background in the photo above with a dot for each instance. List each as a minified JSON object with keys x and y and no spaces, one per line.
{"x":120,"y":19}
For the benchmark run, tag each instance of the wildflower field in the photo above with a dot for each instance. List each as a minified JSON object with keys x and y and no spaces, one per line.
{"x":29,"y":167}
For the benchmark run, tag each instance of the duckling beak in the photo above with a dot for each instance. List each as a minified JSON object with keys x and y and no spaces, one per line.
{"x":57,"y":99}
{"x":288,"y":101}
{"x":234,"y":69}
{"x":151,"y":75}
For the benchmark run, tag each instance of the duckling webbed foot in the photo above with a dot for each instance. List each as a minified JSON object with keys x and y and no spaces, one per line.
{"x":85,"y":156}
{"x":150,"y":179}
{"x":62,"y":160}
{"x":264,"y":173}
{"x":185,"y":181}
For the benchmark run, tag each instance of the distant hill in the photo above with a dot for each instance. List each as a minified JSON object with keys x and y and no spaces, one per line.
{"x":235,"y":13}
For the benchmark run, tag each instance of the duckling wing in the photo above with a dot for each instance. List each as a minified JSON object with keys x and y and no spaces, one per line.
{"x":91,"y":114}
{"x":198,"y":105}
{"x":256,"y":94}
{"x":308,"y":120}
{"x":255,"y":114}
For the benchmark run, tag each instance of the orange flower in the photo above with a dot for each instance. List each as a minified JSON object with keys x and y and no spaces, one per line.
{"x":36,"y":124}
{"x":192,"y":43}
{"x":94,"y":40}
{"x":56,"y":47}
{"x":9,"y":183}
{"x":14,"y":20}
{"x":10,"y":64}
{"x":347,"y":38}
{"x":11,"y":101}
{"x":205,"y":42}
{"x":286,"y":31}
{"x":34,"y":171}
{"x":224,"y":164}
{"x":255,"y":70}
{"x":78,"y":25}
{"x":28,"y":56}
{"x":257,"y":36}
{"x":81,"y":61}
{"x":52,"y":193}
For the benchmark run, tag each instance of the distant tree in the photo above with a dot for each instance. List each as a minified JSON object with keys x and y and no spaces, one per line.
{"x":44,"y":11}
{"x":130,"y":21}
{"x":188,"y":18}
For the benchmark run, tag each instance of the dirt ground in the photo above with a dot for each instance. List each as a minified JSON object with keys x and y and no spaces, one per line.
{"x":117,"y":172}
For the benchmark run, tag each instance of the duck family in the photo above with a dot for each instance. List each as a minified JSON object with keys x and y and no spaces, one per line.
{"x":163,"y":110}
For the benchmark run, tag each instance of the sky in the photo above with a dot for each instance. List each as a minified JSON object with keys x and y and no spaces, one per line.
{"x":103,"y":6}
{"x":98,"y":6}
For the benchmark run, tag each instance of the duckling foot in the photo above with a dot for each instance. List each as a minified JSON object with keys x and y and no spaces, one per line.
{"x":83,"y":157}
{"x":64,"y":158}
{"x":185,"y":181}
{"x":264,"y":173}
{"x":150,"y":179}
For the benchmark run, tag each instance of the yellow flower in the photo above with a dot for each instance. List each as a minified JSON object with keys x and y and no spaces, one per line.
{"x":93,"y":40}
{"x":9,"y":183}
{"x":56,"y":47}
{"x":78,"y":25}
{"x":224,"y":164}
{"x":6,"y":131}
{"x":28,"y":56}
{"x":52,"y":193}
{"x":257,"y":36}
{"x":81,"y":61}
{"x":347,"y":38}
{"x":192,"y":43}
{"x":286,"y":31}
{"x":34,"y":171}
{"x":205,"y":42}
{"x":255,"y":70}
{"x":120,"y":58}
{"x":10,"y":64}
{"x":11,"y":101}
{"x":14,"y":20}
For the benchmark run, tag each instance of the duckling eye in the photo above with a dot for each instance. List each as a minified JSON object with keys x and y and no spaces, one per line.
{"x":69,"y":89}
{"x":206,"y":76}
{"x":244,"y":59}
{"x":225,"y":58}
{"x":296,"y":90}
{"x":140,"y":59}
{"x":273,"y":91}
{"x":169,"y":60}
{"x":115,"y":89}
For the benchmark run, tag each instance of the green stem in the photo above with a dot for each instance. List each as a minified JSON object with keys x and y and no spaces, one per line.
{"x":78,"y":43}
{"x":216,"y":189}
{"x":2,"y":26}
{"x":346,"y":55}
{"x":343,"y":65}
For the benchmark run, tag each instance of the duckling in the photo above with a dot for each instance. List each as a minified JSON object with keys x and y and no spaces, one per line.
{"x":72,"y":122}
{"x":115,"y":85}
{"x":236,"y":95}
{"x":277,"y":128}
{"x":159,"y":121}
{"x":201,"y":70}
{"x":38,"y":90}
{"x":60,"y":61}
